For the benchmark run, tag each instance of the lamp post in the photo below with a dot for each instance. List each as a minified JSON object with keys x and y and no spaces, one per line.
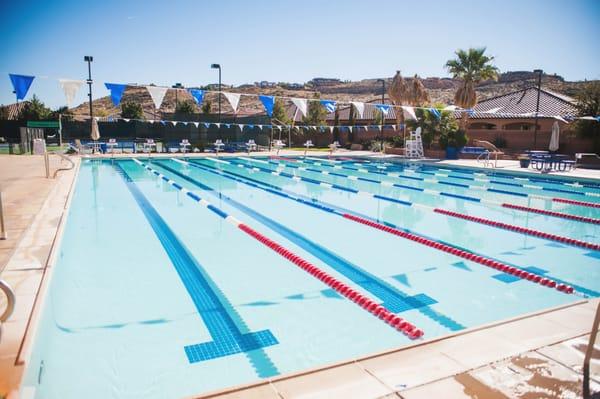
{"x":218,"y":66}
{"x":176,"y":86}
{"x":537,"y":105}
{"x":89,"y":59}
{"x":382,"y":114}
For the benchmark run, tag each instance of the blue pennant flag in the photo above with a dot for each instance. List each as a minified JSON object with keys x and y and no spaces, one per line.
{"x":470,"y":112}
{"x":228,"y":125}
{"x":384,"y":108}
{"x":268,"y":102}
{"x":163,"y":122}
{"x":435,"y":112}
{"x":329,"y":105}
{"x":598,"y":118}
{"x":250,"y":126}
{"x":197,"y":94}
{"x":116,"y":92}
{"x":21,"y":84}
{"x":206,"y":125}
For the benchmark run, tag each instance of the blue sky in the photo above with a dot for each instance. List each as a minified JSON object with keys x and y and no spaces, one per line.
{"x":164,"y":42}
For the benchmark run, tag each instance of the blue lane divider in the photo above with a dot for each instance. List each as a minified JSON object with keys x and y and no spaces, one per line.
{"x":393,"y":299}
{"x":219,"y":316}
{"x":341,"y":211}
{"x":378,"y":171}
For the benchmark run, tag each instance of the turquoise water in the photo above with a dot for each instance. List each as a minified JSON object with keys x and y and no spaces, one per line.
{"x":155,"y":295}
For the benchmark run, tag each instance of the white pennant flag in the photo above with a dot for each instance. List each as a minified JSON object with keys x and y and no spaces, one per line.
{"x":241,"y":127}
{"x":196,"y":124}
{"x":70,"y":88}
{"x":260,"y":127}
{"x":360,"y":108}
{"x":218,"y":125}
{"x":234,"y":99}
{"x":331,"y":129}
{"x":157,"y":94}
{"x":301,"y":104}
{"x":410,"y":111}
{"x":350,"y":129}
{"x":126,"y":120}
{"x":174,"y":123}
{"x":151,"y":121}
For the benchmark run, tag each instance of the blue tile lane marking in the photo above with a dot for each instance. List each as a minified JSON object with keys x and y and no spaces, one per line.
{"x":219,"y":316}
{"x":393,"y":299}
{"x":340,"y":211}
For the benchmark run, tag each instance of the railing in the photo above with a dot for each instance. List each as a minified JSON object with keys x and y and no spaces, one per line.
{"x":588,"y":355}
{"x":3,"y":235}
{"x":66,"y":158}
{"x":10,"y":304}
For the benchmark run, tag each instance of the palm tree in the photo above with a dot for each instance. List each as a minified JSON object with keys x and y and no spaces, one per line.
{"x":417,"y":95}
{"x":398,"y":93}
{"x":471,"y":67}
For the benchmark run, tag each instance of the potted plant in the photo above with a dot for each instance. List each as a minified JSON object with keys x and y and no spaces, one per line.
{"x":453,"y":141}
{"x":524,"y":160}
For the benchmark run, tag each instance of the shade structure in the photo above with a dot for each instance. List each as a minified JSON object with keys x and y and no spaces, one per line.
{"x":554,"y":138}
{"x":95,"y":134}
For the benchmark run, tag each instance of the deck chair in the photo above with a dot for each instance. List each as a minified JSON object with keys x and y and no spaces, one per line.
{"x":278,"y":145}
{"x":112,"y":143}
{"x":218,"y":144}
{"x":491,"y":149}
{"x":334,"y":146}
{"x":183,"y":145}
{"x":148,"y":145}
{"x":251,"y":145}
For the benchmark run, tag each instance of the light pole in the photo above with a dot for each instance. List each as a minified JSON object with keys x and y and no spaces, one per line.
{"x":218,"y":66}
{"x":89,"y":59}
{"x":537,"y":105}
{"x":176,"y":86}
{"x":382,"y":114}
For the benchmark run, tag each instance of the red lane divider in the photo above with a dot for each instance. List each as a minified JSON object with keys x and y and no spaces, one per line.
{"x":552,"y":213}
{"x":519,"y":229}
{"x":573,"y":202}
{"x":466,"y":255}
{"x":366,"y":303}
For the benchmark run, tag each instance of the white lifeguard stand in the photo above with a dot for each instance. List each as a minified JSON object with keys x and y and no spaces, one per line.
{"x":278,"y":145}
{"x":112,"y":143}
{"x":307,"y":145}
{"x":148,"y":145}
{"x":185,"y":143}
{"x":251,"y":145}
{"x":414,"y":145}
{"x":218,"y":145}
{"x":334,"y":146}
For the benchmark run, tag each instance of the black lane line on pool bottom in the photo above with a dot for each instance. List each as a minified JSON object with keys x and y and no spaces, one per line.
{"x":228,"y":330}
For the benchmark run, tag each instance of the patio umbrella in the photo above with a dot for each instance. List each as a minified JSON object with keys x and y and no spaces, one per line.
{"x":95,"y":135}
{"x":554,"y":138}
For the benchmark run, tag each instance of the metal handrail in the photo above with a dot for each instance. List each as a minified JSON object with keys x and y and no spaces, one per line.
{"x":10,"y":296}
{"x":66,"y":158}
{"x":588,"y":354}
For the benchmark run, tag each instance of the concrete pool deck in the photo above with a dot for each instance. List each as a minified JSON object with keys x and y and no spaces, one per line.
{"x":506,"y":359}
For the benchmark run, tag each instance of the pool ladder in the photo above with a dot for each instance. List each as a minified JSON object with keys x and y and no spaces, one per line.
{"x":10,"y":304}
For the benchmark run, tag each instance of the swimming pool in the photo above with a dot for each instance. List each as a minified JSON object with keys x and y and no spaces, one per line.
{"x":177,"y":277}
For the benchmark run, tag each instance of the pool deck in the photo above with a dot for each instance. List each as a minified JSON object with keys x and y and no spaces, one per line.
{"x":536,"y":354}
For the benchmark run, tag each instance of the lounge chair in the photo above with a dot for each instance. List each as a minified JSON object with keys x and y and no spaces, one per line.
{"x":218,"y":144}
{"x":251,"y":146}
{"x":278,"y":145}
{"x":334,"y":146}
{"x":112,"y":143}
{"x":587,"y":160}
{"x":148,"y":145}
{"x":492,"y":150}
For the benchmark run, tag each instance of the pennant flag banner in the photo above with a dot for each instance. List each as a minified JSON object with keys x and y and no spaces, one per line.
{"x":70,"y":88}
{"x":470,"y":112}
{"x":301,"y":104}
{"x":269,"y":103}
{"x":157,"y":94}
{"x":329,"y":105}
{"x":116,"y":92}
{"x":350,"y":129}
{"x":197,"y":94}
{"x":410,"y":111}
{"x":196,"y":124}
{"x":21,"y":84}
{"x":234,"y":100}
{"x":206,"y":125}
{"x":435,"y":112}
{"x":384,"y":108}
{"x":360,"y":108}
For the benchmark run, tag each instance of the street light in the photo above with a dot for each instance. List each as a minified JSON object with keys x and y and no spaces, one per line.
{"x":218,"y":66}
{"x":176,"y":86}
{"x":537,"y":105}
{"x":382,"y":114}
{"x":89,"y":59}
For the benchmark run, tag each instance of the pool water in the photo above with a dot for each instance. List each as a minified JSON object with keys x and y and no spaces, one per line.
{"x":157,"y":293}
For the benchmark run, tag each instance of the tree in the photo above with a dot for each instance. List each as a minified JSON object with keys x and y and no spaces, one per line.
{"x":445,"y":126}
{"x":132,"y":110}
{"x":34,"y":110}
{"x":4,"y":114}
{"x":65,"y":114}
{"x":471,"y":67}
{"x":280,"y":113}
{"x":377,"y":117}
{"x":316,"y":114}
{"x":206,"y":107}
{"x":398,"y":93}
{"x":588,"y":104}
{"x":186,"y":107}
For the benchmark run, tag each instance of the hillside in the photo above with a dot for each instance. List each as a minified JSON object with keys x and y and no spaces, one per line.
{"x":439,"y":89}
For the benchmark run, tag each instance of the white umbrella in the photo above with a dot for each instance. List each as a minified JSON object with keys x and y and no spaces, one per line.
{"x":95,"y":135}
{"x":554,"y":138}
